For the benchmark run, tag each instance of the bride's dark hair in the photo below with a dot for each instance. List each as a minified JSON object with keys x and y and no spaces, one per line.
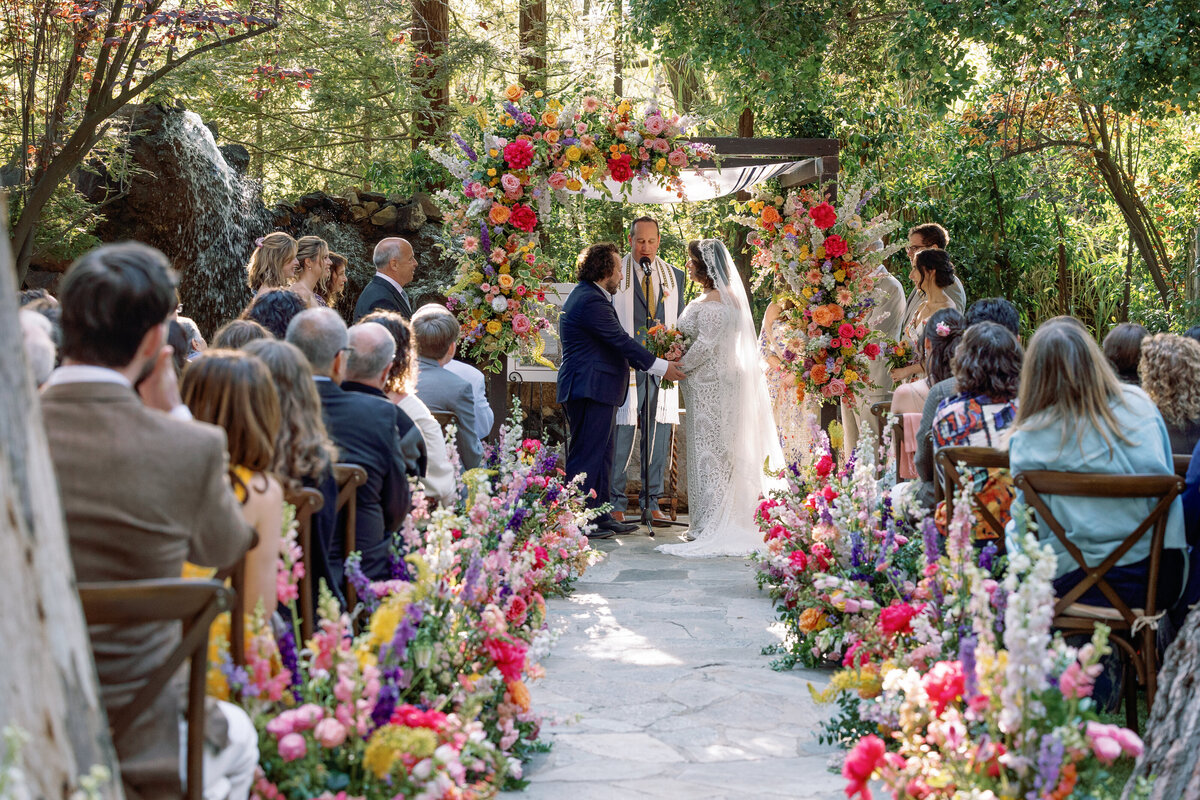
{"x":694,"y":253}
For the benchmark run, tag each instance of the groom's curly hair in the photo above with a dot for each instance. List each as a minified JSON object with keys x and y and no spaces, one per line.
{"x":595,"y":262}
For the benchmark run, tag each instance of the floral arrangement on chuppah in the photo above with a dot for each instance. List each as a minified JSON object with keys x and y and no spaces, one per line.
{"x":512,"y":161}
{"x":421,"y":691}
{"x":821,"y":259}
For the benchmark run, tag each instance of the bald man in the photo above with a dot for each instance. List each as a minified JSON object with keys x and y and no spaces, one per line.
{"x":395,"y":266}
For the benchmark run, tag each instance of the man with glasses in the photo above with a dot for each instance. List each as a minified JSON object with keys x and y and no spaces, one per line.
{"x":929,"y":235}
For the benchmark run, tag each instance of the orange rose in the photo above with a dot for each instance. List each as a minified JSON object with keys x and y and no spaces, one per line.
{"x":770,"y":215}
{"x":499,"y":214}
{"x":811,"y":619}
{"x":822,"y":316}
{"x":819,"y":374}
{"x":836,"y":311}
{"x":513,"y":92}
{"x":551,"y":137}
{"x":549,"y":119}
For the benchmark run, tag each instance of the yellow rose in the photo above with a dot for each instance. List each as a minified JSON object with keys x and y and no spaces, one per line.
{"x":574,"y":153}
{"x":586,"y":172}
{"x":509,"y":121}
{"x":624,"y":107}
{"x":493,"y":152}
{"x":660,"y":165}
{"x":492,"y":172}
{"x":506,"y":281}
{"x":494,"y":327}
{"x":513,"y":92}
{"x":549,"y":119}
{"x":538,"y":93}
{"x":574,"y":185}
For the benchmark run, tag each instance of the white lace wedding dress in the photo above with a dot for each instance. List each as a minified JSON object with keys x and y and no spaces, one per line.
{"x":730,"y":432}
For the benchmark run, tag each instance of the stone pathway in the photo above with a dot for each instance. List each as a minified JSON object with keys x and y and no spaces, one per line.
{"x":657,"y":688}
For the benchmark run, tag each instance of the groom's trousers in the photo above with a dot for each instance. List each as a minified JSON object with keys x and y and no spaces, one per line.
{"x":623,"y":449}
{"x":590,"y":448}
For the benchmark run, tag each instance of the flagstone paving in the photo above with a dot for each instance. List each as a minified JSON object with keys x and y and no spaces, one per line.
{"x":657,"y":688}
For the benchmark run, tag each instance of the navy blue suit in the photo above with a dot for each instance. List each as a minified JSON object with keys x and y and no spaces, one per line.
{"x":593,"y":381}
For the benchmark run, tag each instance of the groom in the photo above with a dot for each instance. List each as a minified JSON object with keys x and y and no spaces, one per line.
{"x":594,"y":376}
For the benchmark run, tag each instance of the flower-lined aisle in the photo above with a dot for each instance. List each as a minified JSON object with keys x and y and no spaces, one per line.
{"x":421,"y":691}
{"x":951,"y":684}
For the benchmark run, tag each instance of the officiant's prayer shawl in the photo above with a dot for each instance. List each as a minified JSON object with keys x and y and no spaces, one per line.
{"x":668,"y":399}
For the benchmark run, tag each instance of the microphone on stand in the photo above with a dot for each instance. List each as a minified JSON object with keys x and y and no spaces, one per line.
{"x":645,"y":264}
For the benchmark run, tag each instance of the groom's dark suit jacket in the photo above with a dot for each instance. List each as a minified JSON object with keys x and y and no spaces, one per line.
{"x":596,"y":350}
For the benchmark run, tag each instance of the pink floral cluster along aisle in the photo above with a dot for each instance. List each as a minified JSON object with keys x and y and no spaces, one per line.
{"x":949,"y":681}
{"x":421,"y":691}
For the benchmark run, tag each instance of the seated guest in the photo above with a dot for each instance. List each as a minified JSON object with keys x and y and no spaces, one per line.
{"x":987,"y":368}
{"x":1170,"y":373}
{"x":195,"y":339}
{"x":312,"y":255}
{"x":364,"y":430}
{"x":989,"y":309}
{"x":143,"y":488}
{"x":234,"y":390}
{"x":38,"y":338}
{"x":1075,"y":415}
{"x":441,"y":390}
{"x":1193,"y":333}
{"x":484,"y":418}
{"x":439,"y":480}
{"x":1123,"y":349}
{"x":274,"y":310}
{"x":304,"y":453}
{"x":331,"y":288}
{"x":273,"y":263}
{"x":938,"y":343}
{"x":395,"y":267}
{"x":372,"y":351}
{"x":238,"y":332}
{"x":36,"y":299}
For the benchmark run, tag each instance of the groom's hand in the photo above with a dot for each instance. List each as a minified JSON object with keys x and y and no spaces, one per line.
{"x":674,"y":373}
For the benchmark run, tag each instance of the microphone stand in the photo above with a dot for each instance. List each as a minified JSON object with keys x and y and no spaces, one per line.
{"x":648,"y":414}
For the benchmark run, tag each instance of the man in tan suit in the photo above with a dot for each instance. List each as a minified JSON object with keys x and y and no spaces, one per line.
{"x":143,"y":488}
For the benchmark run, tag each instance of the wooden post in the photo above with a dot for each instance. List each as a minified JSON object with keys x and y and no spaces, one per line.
{"x":48,"y":684}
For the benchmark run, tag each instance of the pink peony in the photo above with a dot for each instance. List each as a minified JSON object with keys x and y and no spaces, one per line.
{"x":677,"y":158}
{"x":798,"y":560}
{"x":619,"y":168}
{"x":860,"y":763}
{"x":557,"y":180}
{"x":292,"y":747}
{"x":897,"y":618}
{"x":518,"y":154}
{"x":661,"y":145}
{"x":824,"y":465}
{"x":282,"y":725}
{"x":835,"y":246}
{"x":523,"y":218}
{"x":1130,"y":742}
{"x":330,"y":733}
{"x":824,"y":216}
{"x":521,"y":324}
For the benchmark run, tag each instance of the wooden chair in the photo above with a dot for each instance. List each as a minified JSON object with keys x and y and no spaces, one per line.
{"x":306,"y":502}
{"x":349,"y":477}
{"x":949,"y":459}
{"x":195,"y":603}
{"x":1135,"y":625}
{"x":445,"y":418}
{"x":1181,"y":465}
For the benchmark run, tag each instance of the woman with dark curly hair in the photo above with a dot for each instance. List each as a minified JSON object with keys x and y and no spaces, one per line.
{"x":943,"y":331}
{"x":987,"y":371}
{"x":274,"y":309}
{"x":1170,"y":373}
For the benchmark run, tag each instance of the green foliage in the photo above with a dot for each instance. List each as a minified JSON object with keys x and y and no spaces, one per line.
{"x":846,"y":726}
{"x":417,"y":173}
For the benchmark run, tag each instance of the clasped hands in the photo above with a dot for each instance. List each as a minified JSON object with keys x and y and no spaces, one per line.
{"x":674,"y":372}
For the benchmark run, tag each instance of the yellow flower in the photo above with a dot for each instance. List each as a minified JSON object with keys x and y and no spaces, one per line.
{"x":807,"y":292}
{"x":493,"y":152}
{"x":586,"y":172}
{"x":804,"y":254}
{"x":661,"y":165}
{"x":820,"y":254}
{"x":840,"y":275}
{"x":847,"y":351}
{"x":538,"y":93}
{"x":850,"y":376}
{"x":506,"y":281}
{"x":624,"y":107}
{"x":554,"y":105}
{"x":505,"y":269}
{"x":574,"y":185}
{"x":494,"y":327}
{"x":392,"y":741}
{"x":492,"y":172}
{"x":574,"y":153}
{"x":476,"y":277}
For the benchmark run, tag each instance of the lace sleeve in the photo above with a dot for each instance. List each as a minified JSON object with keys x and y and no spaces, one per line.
{"x":712,"y":318}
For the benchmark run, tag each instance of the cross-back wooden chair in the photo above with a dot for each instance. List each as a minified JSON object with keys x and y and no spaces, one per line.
{"x":1181,"y":465}
{"x":307,"y":502}
{"x":349,"y":477}
{"x":195,"y":603}
{"x":445,"y":419}
{"x":949,"y":459}
{"x":1137,"y":624}
{"x":881,"y":411}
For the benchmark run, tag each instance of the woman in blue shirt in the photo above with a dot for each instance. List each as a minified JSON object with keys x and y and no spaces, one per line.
{"x":1076,"y":416}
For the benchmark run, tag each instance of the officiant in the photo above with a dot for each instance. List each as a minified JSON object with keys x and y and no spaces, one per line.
{"x":665,"y":284}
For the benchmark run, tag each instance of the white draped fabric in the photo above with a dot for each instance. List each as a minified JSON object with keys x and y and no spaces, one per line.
{"x":698,"y":185}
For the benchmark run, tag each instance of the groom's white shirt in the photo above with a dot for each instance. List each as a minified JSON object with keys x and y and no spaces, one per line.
{"x":664,"y":287}
{"x":659,"y":367}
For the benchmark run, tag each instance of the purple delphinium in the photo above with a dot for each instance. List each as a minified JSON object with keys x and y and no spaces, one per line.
{"x":512,"y":110}
{"x":987,"y":556}
{"x":385,"y":704}
{"x":290,"y":659}
{"x":930,"y":537}
{"x":518,"y":518}
{"x":361,"y":583}
{"x":466,"y":148}
{"x":889,"y":542}
{"x":470,"y":581}
{"x":485,"y":241}
{"x":236,"y":677}
{"x":1050,"y":755}
{"x":966,"y":656}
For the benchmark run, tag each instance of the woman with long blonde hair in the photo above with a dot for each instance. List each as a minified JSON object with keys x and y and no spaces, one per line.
{"x":234,"y":390}
{"x":312,"y":254}
{"x":273,"y":263}
{"x":1075,"y":415}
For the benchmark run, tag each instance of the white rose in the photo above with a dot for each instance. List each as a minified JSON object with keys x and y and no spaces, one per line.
{"x":500,"y":304}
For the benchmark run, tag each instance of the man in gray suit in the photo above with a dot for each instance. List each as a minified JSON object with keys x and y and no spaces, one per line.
{"x":441,"y":390}
{"x":887,"y":317}
{"x":143,"y":489}
{"x":666,"y":289}
{"x":927,"y":236}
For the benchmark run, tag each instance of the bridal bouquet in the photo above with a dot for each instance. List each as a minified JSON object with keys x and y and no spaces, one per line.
{"x":668,"y":343}
{"x":899,"y":354}
{"x":821,"y":258}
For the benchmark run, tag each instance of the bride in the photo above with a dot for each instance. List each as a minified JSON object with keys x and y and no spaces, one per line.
{"x":729,"y":425}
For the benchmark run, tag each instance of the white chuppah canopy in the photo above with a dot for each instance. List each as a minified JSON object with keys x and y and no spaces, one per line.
{"x":708,"y":183}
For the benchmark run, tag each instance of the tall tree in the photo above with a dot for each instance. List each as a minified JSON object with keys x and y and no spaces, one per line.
{"x":430,"y":72}
{"x":532,"y":26}
{"x":77,"y":63}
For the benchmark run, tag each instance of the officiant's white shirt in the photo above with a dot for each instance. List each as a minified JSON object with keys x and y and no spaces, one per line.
{"x":659,"y":367}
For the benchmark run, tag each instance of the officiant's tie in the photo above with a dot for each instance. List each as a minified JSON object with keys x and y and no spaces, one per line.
{"x":651,"y":305}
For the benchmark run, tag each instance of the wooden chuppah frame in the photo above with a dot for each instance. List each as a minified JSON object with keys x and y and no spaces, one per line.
{"x":817,"y":162}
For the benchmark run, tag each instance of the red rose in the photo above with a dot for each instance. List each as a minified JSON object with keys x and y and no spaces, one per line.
{"x":523,"y":218}
{"x":518,"y":154}
{"x":823,"y":215}
{"x":619,"y":168}
{"x":835,"y":245}
{"x":846,"y":330}
{"x":897,"y":618}
{"x":824,"y":465}
{"x":872,"y":350}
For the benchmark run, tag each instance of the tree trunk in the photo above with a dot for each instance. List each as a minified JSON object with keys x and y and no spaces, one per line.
{"x":618,"y":64}
{"x":1173,"y":730}
{"x":430,"y":33}
{"x":533,"y":44}
{"x":48,"y":684}
{"x":685,"y":86}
